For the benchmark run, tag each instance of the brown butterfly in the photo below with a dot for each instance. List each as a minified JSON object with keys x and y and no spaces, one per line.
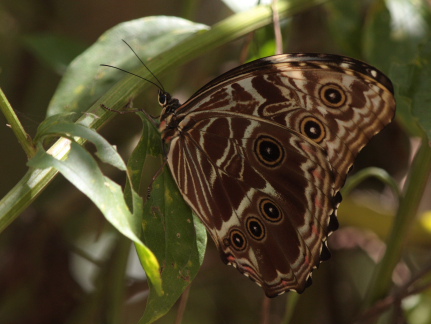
{"x":261,"y":152}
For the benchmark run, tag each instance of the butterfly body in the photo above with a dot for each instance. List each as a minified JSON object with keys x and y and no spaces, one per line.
{"x":261,"y":153}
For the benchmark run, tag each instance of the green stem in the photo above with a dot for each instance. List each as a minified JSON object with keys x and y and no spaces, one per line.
{"x":405,"y":217}
{"x":116,"y":276}
{"x":364,"y":174}
{"x":30,"y":186}
{"x":13,"y":122}
{"x":291,"y":302}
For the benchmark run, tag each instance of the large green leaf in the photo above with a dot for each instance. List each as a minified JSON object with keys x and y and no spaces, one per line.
{"x":85,"y":81}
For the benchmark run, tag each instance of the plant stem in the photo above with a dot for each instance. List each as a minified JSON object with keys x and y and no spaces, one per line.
{"x":364,"y":174}
{"x":23,"y":138}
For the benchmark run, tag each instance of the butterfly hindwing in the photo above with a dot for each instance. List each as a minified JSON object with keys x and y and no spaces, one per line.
{"x":264,"y":192}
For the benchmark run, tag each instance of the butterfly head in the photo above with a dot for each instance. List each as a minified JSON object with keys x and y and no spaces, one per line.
{"x":169,"y":104}
{"x":168,"y":118}
{"x":164,"y":98}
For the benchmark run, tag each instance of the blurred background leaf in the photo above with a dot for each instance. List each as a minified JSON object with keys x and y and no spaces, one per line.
{"x":55,"y":51}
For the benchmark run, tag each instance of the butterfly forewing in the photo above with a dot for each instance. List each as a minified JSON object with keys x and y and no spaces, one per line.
{"x":261,"y":152}
{"x":338,"y":102}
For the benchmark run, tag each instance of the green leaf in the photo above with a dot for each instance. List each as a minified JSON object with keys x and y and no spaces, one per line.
{"x":80,"y":168}
{"x":393,"y":30}
{"x":58,"y":125}
{"x":420,"y":88}
{"x":345,"y":23}
{"x":377,"y":41}
{"x":55,"y":51}
{"x":85,"y":81}
{"x":412,"y":82}
{"x":177,"y":238}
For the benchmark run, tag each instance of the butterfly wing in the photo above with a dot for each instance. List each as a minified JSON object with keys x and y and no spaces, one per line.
{"x":264,"y":192}
{"x":261,"y":152}
{"x":338,"y":102}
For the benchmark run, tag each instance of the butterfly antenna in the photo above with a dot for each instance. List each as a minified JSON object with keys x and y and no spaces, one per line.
{"x":131,"y":73}
{"x":158,"y":81}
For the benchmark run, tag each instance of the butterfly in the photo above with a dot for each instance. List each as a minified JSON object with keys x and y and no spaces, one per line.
{"x":261,"y":152}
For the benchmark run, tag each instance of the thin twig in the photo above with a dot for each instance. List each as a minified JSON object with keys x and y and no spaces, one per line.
{"x":266,"y":307}
{"x":277,"y":28}
{"x":395,"y":299}
{"x":182,"y":307}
